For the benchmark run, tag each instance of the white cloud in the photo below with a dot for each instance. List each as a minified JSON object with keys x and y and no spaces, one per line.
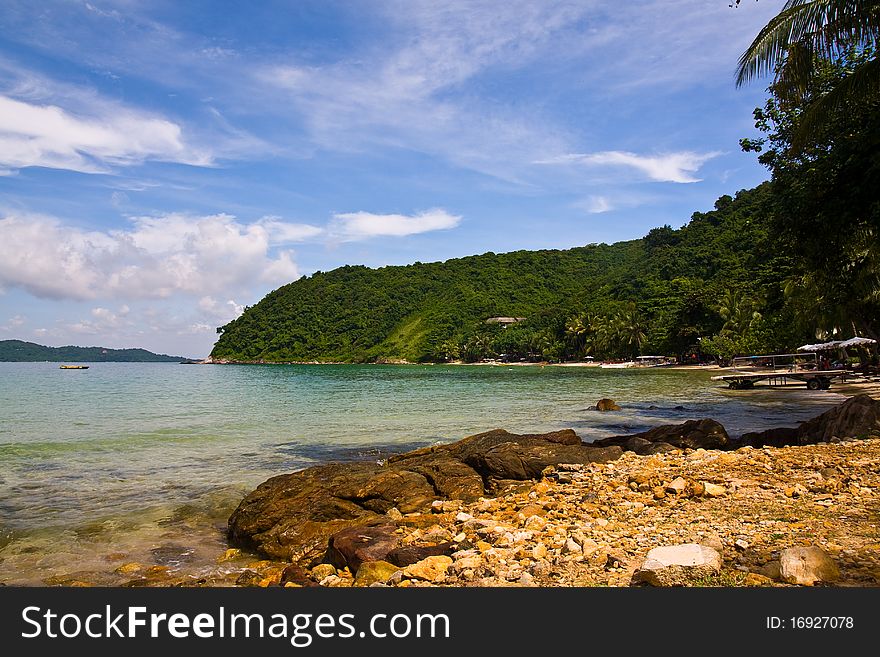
{"x":13,"y":323}
{"x":197,"y":328}
{"x":103,"y":319}
{"x":669,"y":167}
{"x":597,"y":205}
{"x":50,"y":136}
{"x":155,"y":258}
{"x":220,"y":312}
{"x":282,"y":232}
{"x":354,"y":226}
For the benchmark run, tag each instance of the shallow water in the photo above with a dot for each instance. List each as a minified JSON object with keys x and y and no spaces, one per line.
{"x":145,"y":461}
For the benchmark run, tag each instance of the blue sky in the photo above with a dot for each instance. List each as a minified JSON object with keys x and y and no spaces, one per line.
{"x":163,"y":164}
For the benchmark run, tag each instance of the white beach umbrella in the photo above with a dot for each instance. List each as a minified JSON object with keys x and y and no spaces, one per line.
{"x":856,"y":341}
{"x":820,"y":347}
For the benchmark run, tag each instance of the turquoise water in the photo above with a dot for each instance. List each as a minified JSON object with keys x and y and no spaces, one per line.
{"x":124,"y":460}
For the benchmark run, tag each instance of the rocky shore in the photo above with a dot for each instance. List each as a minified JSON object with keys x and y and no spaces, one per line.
{"x":677,"y":505}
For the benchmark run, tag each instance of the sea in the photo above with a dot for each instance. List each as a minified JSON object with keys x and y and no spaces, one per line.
{"x":144,"y":462}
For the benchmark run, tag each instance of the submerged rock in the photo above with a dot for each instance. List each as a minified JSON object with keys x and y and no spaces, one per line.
{"x":606,"y":404}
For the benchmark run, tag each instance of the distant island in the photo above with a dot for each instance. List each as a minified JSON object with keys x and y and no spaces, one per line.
{"x":18,"y":351}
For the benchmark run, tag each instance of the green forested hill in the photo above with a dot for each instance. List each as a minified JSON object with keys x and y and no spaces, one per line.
{"x":19,"y":351}
{"x":653,"y":295}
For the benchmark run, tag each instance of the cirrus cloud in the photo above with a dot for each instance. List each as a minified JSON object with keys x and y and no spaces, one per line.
{"x":676,"y":167}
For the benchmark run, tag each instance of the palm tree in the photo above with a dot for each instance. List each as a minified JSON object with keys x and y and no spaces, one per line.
{"x":737,"y":311}
{"x":577,"y":329}
{"x":449,"y":350}
{"x":477,"y":348}
{"x":604,"y":340}
{"x":804,"y":32}
{"x":630,"y":330}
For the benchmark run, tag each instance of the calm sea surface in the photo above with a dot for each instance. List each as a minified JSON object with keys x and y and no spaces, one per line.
{"x":144,"y":462}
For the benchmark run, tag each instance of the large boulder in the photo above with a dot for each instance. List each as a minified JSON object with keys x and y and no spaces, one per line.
{"x":694,"y":434}
{"x":293,"y":516}
{"x":498,"y":454}
{"x":678,"y":565}
{"x":857,"y":417}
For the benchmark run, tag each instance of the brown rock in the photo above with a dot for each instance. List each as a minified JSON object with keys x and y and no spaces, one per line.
{"x":229,"y":555}
{"x":249,"y":578}
{"x":322,"y":570}
{"x":292,"y":516}
{"x":294,"y":574}
{"x":771,"y":437}
{"x":129,"y":568}
{"x":677,"y":565}
{"x":754,"y":579}
{"x":677,"y":486}
{"x":606,"y":404}
{"x":404,"y":556}
{"x":857,"y":417}
{"x":352,"y":547}
{"x":713,"y":490}
{"x":771,"y":570}
{"x":693,"y":434}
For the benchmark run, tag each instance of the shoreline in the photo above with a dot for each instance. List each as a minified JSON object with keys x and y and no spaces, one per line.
{"x":223,"y":361}
{"x":850,"y":387}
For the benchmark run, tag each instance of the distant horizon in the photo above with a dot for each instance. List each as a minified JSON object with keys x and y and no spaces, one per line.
{"x":77,"y":346}
{"x":164,"y":165}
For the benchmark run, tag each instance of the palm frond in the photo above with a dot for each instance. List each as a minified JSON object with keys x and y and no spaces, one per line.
{"x":863,"y":83}
{"x":824,"y":27}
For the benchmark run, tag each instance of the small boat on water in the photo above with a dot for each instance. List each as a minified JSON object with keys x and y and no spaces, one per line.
{"x":73,"y":367}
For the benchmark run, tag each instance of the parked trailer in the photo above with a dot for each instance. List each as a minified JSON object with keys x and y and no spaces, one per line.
{"x":777,"y":370}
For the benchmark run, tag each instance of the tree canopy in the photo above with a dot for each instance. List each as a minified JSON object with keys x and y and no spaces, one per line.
{"x":656,"y":295}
